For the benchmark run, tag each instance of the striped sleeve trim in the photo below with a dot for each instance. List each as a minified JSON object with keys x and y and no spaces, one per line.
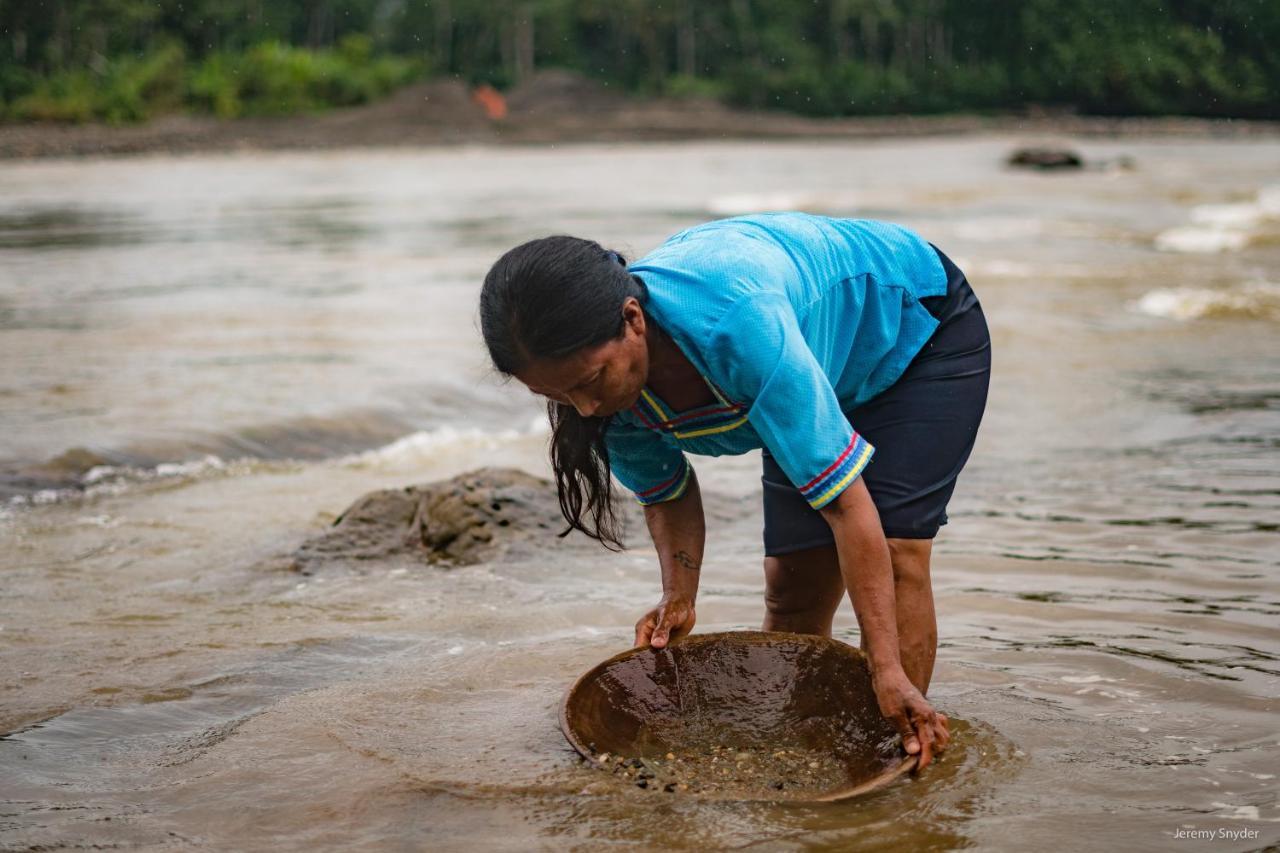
{"x":671,"y":489}
{"x":824,"y":488}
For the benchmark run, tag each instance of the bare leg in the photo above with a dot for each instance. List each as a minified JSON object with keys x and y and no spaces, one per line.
{"x":804,"y":589}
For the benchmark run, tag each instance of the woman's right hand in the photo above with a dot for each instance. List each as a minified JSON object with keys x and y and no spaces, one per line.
{"x":924,"y":731}
{"x":672,"y":619}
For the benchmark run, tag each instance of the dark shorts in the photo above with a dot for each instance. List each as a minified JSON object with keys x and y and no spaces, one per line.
{"x":922,"y":428}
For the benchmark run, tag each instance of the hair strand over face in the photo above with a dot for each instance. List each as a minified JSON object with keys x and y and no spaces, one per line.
{"x":547,"y":299}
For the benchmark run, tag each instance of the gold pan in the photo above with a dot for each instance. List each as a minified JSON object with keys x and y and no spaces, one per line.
{"x":750,"y":690}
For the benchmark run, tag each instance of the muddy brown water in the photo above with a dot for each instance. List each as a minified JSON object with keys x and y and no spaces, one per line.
{"x":243,"y":344}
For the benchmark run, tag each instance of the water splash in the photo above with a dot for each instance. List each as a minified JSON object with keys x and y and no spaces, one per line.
{"x":1253,"y":301}
{"x":1218,"y":228}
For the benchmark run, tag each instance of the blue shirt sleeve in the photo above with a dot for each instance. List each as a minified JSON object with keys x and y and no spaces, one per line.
{"x":646,"y":462}
{"x":759,"y":348}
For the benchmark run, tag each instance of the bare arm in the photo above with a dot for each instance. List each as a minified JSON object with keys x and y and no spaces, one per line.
{"x":867,"y":570}
{"x":678,"y":529}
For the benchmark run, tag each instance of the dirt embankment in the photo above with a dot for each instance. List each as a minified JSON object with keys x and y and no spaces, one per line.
{"x":552,"y":107}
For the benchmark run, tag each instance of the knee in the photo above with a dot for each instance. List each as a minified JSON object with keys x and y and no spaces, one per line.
{"x":910,"y":559}
{"x":781,"y":597}
{"x":799,"y":584}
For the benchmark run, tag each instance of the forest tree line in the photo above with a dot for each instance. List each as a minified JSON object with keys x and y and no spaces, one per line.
{"x":126,"y":60}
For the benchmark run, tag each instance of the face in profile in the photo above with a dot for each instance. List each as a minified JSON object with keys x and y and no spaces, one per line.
{"x":597,"y":381}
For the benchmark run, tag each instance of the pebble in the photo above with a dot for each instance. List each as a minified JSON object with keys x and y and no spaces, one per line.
{"x":794,"y":770}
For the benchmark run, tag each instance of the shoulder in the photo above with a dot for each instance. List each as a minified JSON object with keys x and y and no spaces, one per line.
{"x":700,"y":275}
{"x":724,"y":251}
{"x":781,"y":225}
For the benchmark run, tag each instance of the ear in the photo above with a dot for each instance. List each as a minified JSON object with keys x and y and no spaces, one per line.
{"x":633,"y":315}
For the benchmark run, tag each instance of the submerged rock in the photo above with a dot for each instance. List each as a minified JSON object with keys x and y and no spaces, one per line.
{"x":1046,"y":159}
{"x":467,"y":519}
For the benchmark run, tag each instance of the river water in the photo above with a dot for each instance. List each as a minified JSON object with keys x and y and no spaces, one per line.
{"x":204,"y":359}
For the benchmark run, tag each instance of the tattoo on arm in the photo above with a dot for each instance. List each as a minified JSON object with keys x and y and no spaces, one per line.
{"x":683,"y":558}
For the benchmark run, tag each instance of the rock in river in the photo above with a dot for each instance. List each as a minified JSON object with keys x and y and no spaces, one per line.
{"x":1046,"y":159}
{"x":467,"y":519}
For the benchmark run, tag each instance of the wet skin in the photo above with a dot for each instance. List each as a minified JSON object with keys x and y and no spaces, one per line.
{"x":887,"y":580}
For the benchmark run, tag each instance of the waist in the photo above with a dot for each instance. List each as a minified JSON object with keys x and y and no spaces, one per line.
{"x":959,"y":297}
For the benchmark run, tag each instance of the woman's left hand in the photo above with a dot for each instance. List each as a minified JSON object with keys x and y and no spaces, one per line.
{"x":924,"y":731}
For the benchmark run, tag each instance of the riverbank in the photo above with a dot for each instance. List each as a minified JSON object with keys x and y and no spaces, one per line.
{"x":558,"y":107}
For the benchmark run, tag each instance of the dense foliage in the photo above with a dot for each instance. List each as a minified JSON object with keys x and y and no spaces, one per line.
{"x":122,"y":60}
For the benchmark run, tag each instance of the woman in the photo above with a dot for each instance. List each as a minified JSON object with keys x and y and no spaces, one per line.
{"x":853,"y":352}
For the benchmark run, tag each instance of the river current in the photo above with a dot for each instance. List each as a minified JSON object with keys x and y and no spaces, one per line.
{"x":204,"y":359}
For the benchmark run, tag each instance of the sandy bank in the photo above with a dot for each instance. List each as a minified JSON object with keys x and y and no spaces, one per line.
{"x":554,"y":107}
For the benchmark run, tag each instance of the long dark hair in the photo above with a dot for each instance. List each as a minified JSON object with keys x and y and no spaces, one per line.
{"x":547,"y":299}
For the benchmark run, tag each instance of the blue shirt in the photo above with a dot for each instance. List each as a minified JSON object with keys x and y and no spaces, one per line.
{"x":791,"y":320}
